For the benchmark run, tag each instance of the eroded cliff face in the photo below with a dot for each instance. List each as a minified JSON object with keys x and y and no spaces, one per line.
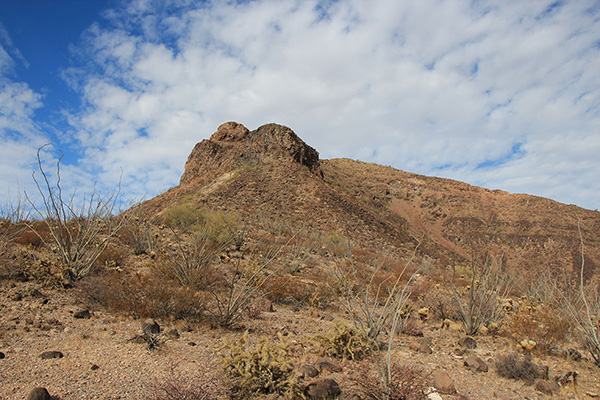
{"x":233,"y":146}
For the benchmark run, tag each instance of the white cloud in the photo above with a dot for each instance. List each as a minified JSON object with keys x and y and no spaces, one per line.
{"x":434,"y":87}
{"x":19,"y":134}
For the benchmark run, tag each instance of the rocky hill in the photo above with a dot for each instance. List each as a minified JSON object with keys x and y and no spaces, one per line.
{"x":271,"y":174}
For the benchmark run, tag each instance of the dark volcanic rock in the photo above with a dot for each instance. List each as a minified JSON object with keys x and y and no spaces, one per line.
{"x":82,"y":314}
{"x":39,"y":393}
{"x":150,"y":326}
{"x":234,"y":146}
{"x":51,"y":354}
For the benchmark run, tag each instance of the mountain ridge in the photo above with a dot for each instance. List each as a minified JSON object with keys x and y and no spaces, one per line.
{"x":271,"y":173}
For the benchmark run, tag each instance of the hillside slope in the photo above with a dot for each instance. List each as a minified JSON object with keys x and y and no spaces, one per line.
{"x":271,"y":175}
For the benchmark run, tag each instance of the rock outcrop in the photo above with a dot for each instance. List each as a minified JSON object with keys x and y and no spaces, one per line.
{"x":233,"y":146}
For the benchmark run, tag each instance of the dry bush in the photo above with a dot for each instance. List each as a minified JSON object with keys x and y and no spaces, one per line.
{"x":266,"y":368}
{"x":137,"y":232}
{"x":234,"y":292}
{"x":113,"y":256}
{"x":515,"y":366}
{"x":143,"y":296}
{"x":540,"y":324}
{"x":478,"y":304}
{"x":80,"y":229}
{"x":406,"y":383}
{"x":34,"y":235}
{"x":189,"y":262}
{"x":12,"y":216}
{"x":578,"y":301}
{"x":292,"y":290}
{"x":206,"y":384}
{"x":346,"y":343}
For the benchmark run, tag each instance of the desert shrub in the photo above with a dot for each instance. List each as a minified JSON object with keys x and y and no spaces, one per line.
{"x":221,"y":228}
{"x":336,"y":243}
{"x":113,"y":256}
{"x":345,"y":342}
{"x":189,"y":262}
{"x":540,"y":324}
{"x":405,"y":383}
{"x":515,"y":366}
{"x":478,"y":304}
{"x":143,"y":296}
{"x":288,"y":289}
{"x":217,"y":227}
{"x":182,"y":216}
{"x":234,"y":292}
{"x":266,"y":368}
{"x":578,"y":301}
{"x":205,"y":384}
{"x":34,"y":235}
{"x":137,"y":233}
{"x":80,"y":228}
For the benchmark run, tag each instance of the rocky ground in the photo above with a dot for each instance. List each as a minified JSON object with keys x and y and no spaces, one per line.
{"x":97,"y":355}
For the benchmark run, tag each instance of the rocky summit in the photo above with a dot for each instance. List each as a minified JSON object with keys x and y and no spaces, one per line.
{"x":233,"y":146}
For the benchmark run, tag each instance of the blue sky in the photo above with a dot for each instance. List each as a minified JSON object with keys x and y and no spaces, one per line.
{"x":504,"y":95}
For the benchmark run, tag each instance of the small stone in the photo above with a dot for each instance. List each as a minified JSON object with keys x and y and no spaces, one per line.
{"x":324,"y":364}
{"x":307,"y":371}
{"x":16,"y":297}
{"x":94,"y":367}
{"x":39,"y":393}
{"x":476,"y":364}
{"x":547,"y":387}
{"x":173,"y":334}
{"x":51,"y":354}
{"x":111,"y":332}
{"x":322,"y":389}
{"x":443,"y":383}
{"x":434,"y":396}
{"x":327,"y":317}
{"x":191,"y":344}
{"x":468,"y":342}
{"x":82,"y":314}
{"x":150,"y":326}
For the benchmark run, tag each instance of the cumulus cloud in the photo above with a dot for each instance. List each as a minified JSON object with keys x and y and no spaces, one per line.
{"x":503,"y":95}
{"x":19,"y":133}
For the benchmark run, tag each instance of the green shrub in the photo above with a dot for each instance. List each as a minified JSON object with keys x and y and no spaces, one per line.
{"x":345,"y":342}
{"x":182,"y":216}
{"x":263,"y":369}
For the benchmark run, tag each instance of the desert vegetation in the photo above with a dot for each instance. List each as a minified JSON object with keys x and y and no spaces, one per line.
{"x":285,"y":305}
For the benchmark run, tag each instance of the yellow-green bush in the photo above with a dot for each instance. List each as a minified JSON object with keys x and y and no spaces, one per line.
{"x":345,"y":342}
{"x":262,"y":369}
{"x":182,"y":216}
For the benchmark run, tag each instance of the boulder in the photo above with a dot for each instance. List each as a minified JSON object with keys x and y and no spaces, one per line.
{"x":547,"y":387}
{"x":476,"y":364}
{"x":322,"y":389}
{"x":150,"y":326}
{"x":324,"y":364}
{"x":468,"y":342}
{"x":443,"y":383}
{"x":307,"y":371}
{"x":39,"y":393}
